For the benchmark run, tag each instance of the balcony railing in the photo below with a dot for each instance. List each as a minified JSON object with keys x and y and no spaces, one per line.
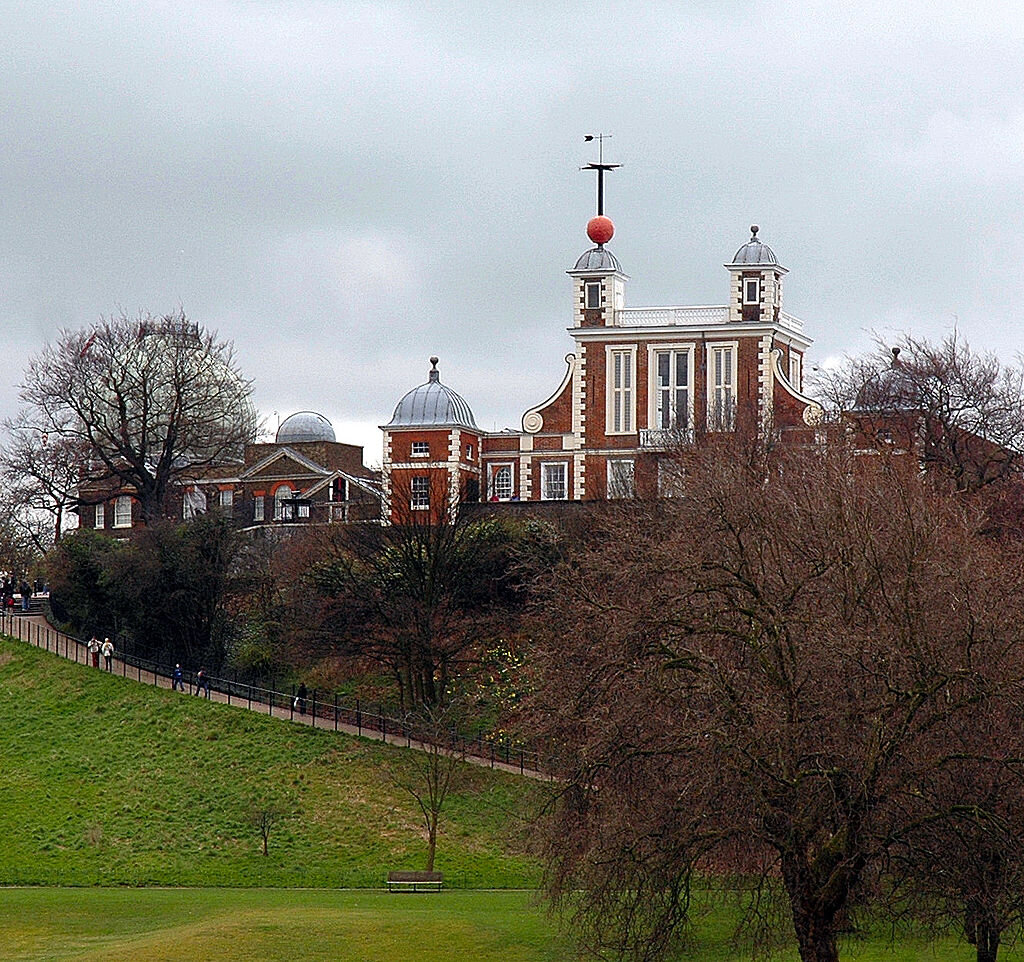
{"x":661,"y":439}
{"x":670,"y":316}
{"x":688,"y":317}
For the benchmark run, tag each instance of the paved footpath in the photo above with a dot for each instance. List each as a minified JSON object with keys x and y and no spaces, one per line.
{"x":36,"y":630}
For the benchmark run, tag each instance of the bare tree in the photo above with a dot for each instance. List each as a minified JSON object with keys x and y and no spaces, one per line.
{"x":431,"y":772}
{"x":960,"y":412}
{"x":960,"y":862}
{"x":422,"y":598}
{"x":745,"y":680}
{"x":42,"y":475}
{"x":150,"y":399}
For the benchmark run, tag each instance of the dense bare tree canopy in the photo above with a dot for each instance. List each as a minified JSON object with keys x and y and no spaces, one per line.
{"x":41,"y":476}
{"x":424,"y":601}
{"x":962,"y":412}
{"x":152,"y":399}
{"x":750,"y":678}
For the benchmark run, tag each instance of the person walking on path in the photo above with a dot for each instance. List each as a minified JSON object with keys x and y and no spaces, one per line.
{"x":202,"y":683}
{"x":108,"y":653}
{"x":300,"y":699}
{"x":177,"y":680}
{"x":94,"y":650}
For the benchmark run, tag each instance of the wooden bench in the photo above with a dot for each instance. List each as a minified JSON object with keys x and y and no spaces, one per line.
{"x":414,"y":881}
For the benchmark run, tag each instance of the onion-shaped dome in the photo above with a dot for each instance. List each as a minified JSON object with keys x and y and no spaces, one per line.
{"x":305,"y":426}
{"x":597,"y":259}
{"x":432,"y":405}
{"x":754,"y":252}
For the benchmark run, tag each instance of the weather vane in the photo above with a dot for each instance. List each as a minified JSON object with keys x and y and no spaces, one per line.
{"x":600,"y":167}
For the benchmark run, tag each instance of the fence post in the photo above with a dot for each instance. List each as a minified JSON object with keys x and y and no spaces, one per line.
{"x":250,"y":696}
{"x":313,"y":706}
{"x":383,"y":724}
{"x":359,"y":719}
{"x":335,"y":711}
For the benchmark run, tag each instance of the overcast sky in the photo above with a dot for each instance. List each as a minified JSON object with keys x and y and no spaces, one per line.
{"x":344,"y":189}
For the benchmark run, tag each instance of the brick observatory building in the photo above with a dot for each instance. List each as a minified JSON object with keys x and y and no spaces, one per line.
{"x":640,"y":384}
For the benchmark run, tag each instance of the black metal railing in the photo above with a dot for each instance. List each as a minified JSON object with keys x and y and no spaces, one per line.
{"x":318,"y":709}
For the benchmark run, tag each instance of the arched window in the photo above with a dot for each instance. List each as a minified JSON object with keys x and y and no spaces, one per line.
{"x":283,"y":511}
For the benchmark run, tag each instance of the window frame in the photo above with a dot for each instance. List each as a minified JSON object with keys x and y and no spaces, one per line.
{"x":424,"y":451}
{"x":545,"y":482}
{"x":617,"y":390}
{"x":100,"y":516}
{"x":654,"y":389}
{"x":716,"y":422}
{"x":279,"y":507}
{"x":259,"y":507}
{"x":747,"y":282}
{"x":591,"y":288}
{"x":616,"y":491}
{"x":226,"y":502}
{"x":120,"y":503}
{"x":492,"y":471}
{"x":419,"y":492}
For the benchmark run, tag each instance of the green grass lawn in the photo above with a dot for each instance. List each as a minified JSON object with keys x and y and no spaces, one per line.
{"x":104,"y":781}
{"x":287,"y":925}
{"x":126,"y":810}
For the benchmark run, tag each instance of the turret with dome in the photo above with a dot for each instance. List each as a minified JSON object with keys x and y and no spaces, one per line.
{"x":639,"y":382}
{"x":431,"y":453}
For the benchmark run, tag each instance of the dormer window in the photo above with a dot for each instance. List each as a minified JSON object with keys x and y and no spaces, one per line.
{"x":751,"y":290}
{"x":593,"y":295}
{"x":421,"y":449}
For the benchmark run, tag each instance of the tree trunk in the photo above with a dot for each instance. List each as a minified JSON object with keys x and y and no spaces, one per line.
{"x":813,"y":923}
{"x":987,"y":945}
{"x":431,"y":841}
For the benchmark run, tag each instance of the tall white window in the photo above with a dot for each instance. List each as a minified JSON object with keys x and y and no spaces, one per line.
{"x":593,"y":295}
{"x":554,"y":485}
{"x":419,"y":499}
{"x":721,"y":387}
{"x":101,"y":516}
{"x":621,"y":483}
{"x":500,"y":482}
{"x":421,"y":449}
{"x":671,"y":390}
{"x":282,"y":506}
{"x":257,"y":508}
{"x":227,"y":502}
{"x":123,"y":512}
{"x":794,"y":370}
{"x":621,"y":395}
{"x":194,"y":503}
{"x":751,"y":290}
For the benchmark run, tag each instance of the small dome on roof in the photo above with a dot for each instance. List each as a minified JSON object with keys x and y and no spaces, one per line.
{"x":597,"y":259}
{"x":754,"y":252}
{"x":432,"y":404}
{"x":305,"y":426}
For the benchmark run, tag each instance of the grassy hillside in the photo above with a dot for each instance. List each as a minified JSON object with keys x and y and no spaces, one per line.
{"x":105,"y":781}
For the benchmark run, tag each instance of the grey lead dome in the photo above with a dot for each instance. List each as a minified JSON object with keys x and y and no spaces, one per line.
{"x":432,"y":405}
{"x":754,"y":252}
{"x":305,"y":426}
{"x":597,"y":259}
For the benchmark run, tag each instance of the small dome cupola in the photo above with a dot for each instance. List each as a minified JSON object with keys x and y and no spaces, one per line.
{"x":754,"y":251}
{"x":432,"y":404}
{"x":304,"y":426}
{"x":755,"y":287}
